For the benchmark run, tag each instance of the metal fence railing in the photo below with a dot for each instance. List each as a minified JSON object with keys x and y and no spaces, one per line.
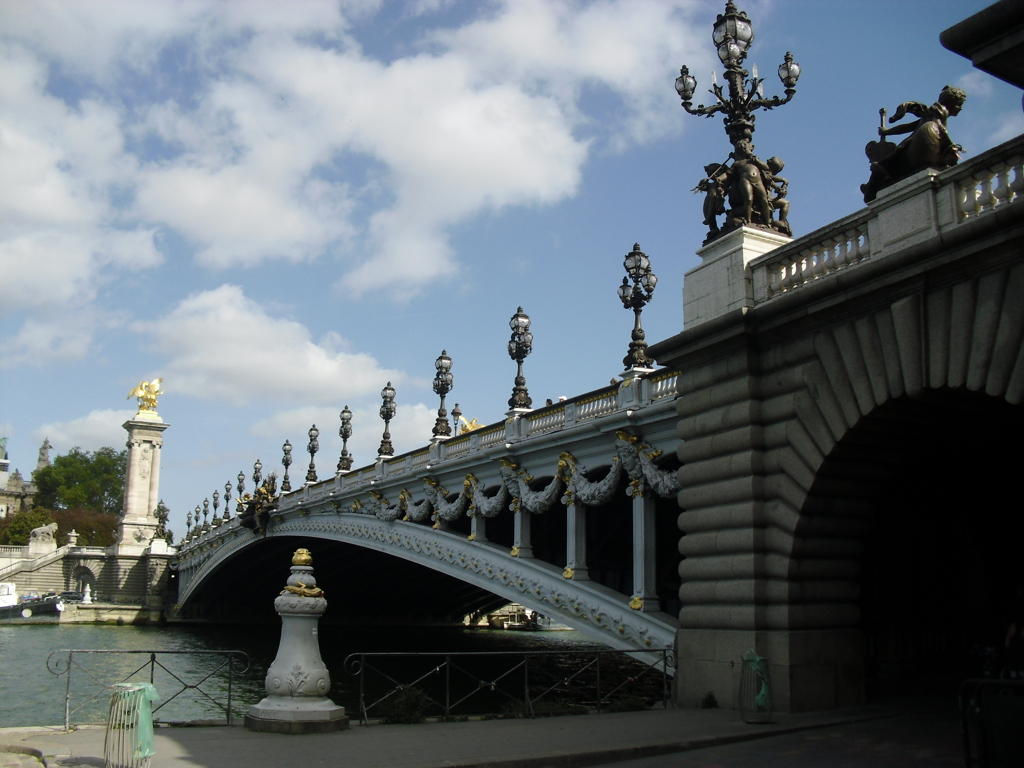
{"x":508,"y":683}
{"x":204,"y":681}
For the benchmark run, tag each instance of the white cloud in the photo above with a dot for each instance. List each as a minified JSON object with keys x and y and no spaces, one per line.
{"x":1010,"y":126}
{"x":273,"y":135}
{"x":976,"y":84}
{"x":410,"y":429}
{"x":98,"y":429}
{"x":223,"y":345}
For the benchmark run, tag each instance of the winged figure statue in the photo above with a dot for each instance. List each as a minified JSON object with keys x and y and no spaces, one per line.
{"x":147,"y":392}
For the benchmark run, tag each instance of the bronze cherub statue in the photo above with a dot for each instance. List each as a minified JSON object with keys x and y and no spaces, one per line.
{"x":928,"y":146}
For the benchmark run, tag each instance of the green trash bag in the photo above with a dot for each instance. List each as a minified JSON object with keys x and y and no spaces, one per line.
{"x":149,"y":695}
{"x":760,"y":666}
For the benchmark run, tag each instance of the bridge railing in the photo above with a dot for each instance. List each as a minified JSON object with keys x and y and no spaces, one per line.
{"x":911,"y":211}
{"x":641,"y":392}
{"x":408,"y":687}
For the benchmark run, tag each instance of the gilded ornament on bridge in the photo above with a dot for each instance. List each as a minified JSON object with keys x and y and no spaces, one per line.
{"x":302,"y":590}
{"x":636,"y":604}
{"x":147,"y":393}
{"x":568,"y":573}
{"x":302,"y":557}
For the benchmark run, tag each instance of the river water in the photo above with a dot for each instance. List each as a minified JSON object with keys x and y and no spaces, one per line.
{"x":31,"y":695}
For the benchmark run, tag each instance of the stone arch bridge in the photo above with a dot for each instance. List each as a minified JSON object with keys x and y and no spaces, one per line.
{"x":845,"y":415}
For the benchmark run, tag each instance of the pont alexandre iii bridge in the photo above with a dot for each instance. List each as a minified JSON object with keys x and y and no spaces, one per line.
{"x":818,"y":471}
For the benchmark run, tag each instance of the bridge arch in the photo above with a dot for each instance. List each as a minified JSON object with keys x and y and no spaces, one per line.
{"x":792,"y":435}
{"x":482,"y":574}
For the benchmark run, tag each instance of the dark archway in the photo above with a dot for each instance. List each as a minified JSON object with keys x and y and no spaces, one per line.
{"x":361,"y":585}
{"x":936,"y":480}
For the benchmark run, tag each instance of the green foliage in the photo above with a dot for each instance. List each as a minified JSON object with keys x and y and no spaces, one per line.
{"x":709,"y":701}
{"x":410,"y":705}
{"x":83,"y":480}
{"x":15,"y":529}
{"x":94,"y":529}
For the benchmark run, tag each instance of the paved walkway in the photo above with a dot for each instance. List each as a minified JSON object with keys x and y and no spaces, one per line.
{"x":560,"y":742}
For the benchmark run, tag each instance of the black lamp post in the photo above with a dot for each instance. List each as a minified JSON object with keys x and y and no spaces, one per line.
{"x":227,"y":498}
{"x":188,"y":526}
{"x":733,"y":35}
{"x":313,"y":447}
{"x":206,"y":524}
{"x":456,"y":415}
{"x":442,"y":386}
{"x":519,"y":346}
{"x":241,"y":484}
{"x":387,"y":412}
{"x":286,"y":460}
{"x":257,"y":473}
{"x":345,"y":432}
{"x":635,"y":296}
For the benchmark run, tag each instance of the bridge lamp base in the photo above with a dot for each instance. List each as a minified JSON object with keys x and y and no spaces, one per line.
{"x":277,"y":714}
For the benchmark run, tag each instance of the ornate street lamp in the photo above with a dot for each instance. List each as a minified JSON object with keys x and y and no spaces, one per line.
{"x":257,"y":473}
{"x":241,"y":484}
{"x":456,"y":415}
{"x":519,"y":346}
{"x":387,"y":412}
{"x":345,"y":432}
{"x":286,"y":459}
{"x":313,"y":447}
{"x":442,"y":386}
{"x":227,"y":498}
{"x":206,"y":525}
{"x":752,"y":185}
{"x":188,"y":526}
{"x":635,"y":296}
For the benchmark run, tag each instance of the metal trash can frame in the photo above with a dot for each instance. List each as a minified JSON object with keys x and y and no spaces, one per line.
{"x":128,"y":742}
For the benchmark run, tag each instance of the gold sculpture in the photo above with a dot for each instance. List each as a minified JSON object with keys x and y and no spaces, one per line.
{"x":147,"y":392}
{"x":302,"y":556}
{"x":469,"y":426}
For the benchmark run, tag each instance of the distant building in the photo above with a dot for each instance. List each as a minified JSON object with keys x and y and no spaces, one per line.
{"x":15,"y":494}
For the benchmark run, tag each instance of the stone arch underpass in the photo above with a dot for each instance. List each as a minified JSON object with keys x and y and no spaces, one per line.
{"x":850,"y":450}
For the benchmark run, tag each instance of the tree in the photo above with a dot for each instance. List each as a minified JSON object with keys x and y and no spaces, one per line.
{"x":15,"y":529}
{"x":83,"y":480}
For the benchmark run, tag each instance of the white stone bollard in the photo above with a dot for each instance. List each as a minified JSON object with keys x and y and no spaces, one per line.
{"x":87,"y":595}
{"x":298,"y":680}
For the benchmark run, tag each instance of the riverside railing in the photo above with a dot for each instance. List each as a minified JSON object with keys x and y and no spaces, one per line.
{"x":408,"y":687}
{"x":226,"y":664}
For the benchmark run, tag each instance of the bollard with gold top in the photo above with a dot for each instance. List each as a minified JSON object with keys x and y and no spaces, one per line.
{"x":298,"y":680}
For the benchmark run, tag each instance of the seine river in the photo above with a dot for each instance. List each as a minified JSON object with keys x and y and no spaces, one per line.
{"x":31,"y":695}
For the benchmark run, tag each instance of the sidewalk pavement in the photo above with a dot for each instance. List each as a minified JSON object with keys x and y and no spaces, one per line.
{"x":559,"y":742}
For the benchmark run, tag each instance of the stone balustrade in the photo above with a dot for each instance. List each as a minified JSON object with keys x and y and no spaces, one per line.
{"x":928,"y":205}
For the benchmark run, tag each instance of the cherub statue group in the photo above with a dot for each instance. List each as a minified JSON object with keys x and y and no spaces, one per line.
{"x":753,"y":188}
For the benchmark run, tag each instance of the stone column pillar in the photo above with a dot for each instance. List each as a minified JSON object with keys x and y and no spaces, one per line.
{"x":645,"y":596}
{"x":298,"y":680}
{"x":478,"y":528}
{"x":142,"y":483}
{"x":576,"y":542}
{"x":523,"y":544}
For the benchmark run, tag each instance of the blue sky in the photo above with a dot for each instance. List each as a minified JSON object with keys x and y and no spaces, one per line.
{"x":280,"y":206}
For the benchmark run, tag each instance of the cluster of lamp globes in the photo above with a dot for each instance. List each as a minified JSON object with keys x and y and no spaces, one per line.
{"x":733,"y":34}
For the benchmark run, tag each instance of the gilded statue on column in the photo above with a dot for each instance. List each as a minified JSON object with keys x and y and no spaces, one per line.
{"x":147,"y":392}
